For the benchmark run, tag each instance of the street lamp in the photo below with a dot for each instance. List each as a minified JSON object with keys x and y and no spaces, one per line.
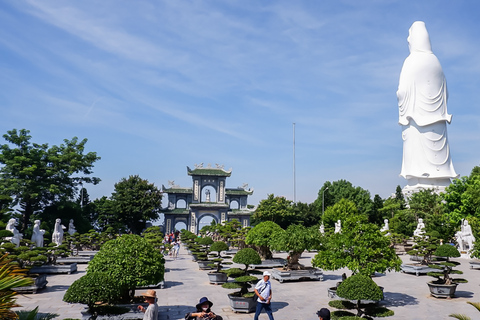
{"x":323,"y":201}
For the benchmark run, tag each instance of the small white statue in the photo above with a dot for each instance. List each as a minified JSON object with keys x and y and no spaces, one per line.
{"x":207,"y":194}
{"x":465,"y":238}
{"x":338,"y":226}
{"x":322,"y":229}
{"x":71,"y":228}
{"x":385,"y":227}
{"x":37,"y":235}
{"x":17,"y":236}
{"x":57,"y":236}
{"x":420,"y":231}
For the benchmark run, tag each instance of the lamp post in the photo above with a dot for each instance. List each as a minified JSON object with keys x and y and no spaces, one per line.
{"x":323,"y":201}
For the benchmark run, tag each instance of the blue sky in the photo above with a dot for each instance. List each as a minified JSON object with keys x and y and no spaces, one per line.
{"x":156,"y":86}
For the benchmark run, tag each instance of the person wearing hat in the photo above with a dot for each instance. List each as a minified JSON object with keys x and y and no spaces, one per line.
{"x":323,"y":314}
{"x":203,"y":312}
{"x":263,"y":289}
{"x":151,"y":312}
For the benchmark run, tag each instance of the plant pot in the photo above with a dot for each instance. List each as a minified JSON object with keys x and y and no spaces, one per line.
{"x":40,"y":281}
{"x":194,"y":257}
{"x":439,"y":290}
{"x":55,"y":269}
{"x":203,"y":264}
{"x":217,"y":277}
{"x":241,"y":304}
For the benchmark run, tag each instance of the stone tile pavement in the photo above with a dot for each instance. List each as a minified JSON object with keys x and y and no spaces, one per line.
{"x":185,"y":284}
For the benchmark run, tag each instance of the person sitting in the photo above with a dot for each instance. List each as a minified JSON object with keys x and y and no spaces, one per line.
{"x":203,"y":312}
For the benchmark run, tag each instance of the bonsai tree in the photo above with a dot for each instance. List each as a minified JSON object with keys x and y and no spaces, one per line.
{"x":425,"y":247}
{"x":218,"y":247}
{"x":246,"y":256}
{"x":154,"y":236}
{"x":261,"y":236}
{"x":92,"y":288}
{"x":359,"y":287}
{"x":360,"y":247}
{"x":132,"y":261}
{"x":295,"y":239}
{"x":446,"y":267}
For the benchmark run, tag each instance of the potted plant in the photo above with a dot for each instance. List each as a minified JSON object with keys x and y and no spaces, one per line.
{"x":202,"y":259}
{"x":445,"y":286}
{"x":358,"y":288}
{"x":218,"y":276}
{"x":243,"y":300}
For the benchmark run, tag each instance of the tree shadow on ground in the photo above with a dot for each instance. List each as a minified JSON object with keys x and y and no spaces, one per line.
{"x":332,"y":277}
{"x":463,"y":294}
{"x":278,"y":305}
{"x":170,"y":284}
{"x":55,"y":288}
{"x":176,"y":312}
{"x":174,"y":269}
{"x":396,"y":299}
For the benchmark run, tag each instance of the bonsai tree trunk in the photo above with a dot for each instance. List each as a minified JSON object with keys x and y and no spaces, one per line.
{"x":265,"y":252}
{"x":292,"y":261}
{"x":359,"y":310}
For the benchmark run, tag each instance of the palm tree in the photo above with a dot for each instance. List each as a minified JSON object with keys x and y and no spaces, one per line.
{"x":11,"y":276}
{"x":464,"y":317}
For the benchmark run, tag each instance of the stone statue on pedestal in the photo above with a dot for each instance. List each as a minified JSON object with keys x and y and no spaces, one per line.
{"x":57,"y":236}
{"x":322,"y":229}
{"x":420,"y":230}
{"x":17,"y":236}
{"x":465,"y":238}
{"x":338,"y":226}
{"x":71,"y":228}
{"x":385,"y":227}
{"x":37,"y":235}
{"x":422,"y":102}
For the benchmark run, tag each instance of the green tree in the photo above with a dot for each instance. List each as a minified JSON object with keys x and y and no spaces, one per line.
{"x":343,"y":189}
{"x":36,"y":175}
{"x":275,"y":209}
{"x":462,"y":197}
{"x":359,"y":287}
{"x":105,"y":211}
{"x":306,"y":214}
{"x":295,"y":239}
{"x":131,"y":260}
{"x":261,"y":236}
{"x":377,"y":214}
{"x":400,"y":198}
{"x":136,"y":201}
{"x":360,"y":247}
{"x":341,"y":210}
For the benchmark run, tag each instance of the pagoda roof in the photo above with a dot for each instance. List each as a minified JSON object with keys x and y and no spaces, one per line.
{"x":209,"y":171}
{"x":238,"y":192}
{"x":177,"y":189}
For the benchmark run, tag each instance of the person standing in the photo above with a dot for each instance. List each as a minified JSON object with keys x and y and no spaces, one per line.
{"x":151,"y":312}
{"x":263,"y":289}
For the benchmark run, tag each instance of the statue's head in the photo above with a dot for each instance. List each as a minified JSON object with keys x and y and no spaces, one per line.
{"x":12,"y":222}
{"x":37,"y":222}
{"x":58,"y":221}
{"x":465,"y":222}
{"x":420,"y":220}
{"x":418,"y":38}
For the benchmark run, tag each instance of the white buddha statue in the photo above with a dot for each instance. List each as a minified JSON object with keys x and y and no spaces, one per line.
{"x":322,"y":229}
{"x":420,"y":230}
{"x":71,"y":228}
{"x":422,"y":102}
{"x":37,"y":235}
{"x":338,"y":226}
{"x":465,"y":238}
{"x":57,"y":235}
{"x":385,"y":227}
{"x":17,"y":236}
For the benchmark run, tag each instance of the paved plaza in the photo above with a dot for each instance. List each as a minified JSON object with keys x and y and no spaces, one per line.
{"x":407,"y":295}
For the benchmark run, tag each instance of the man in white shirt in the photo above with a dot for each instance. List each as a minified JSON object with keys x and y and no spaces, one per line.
{"x":263,"y":290}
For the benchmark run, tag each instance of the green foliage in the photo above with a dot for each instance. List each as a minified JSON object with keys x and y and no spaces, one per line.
{"x":261,"y":236}
{"x":36,"y":175}
{"x":448,"y":251}
{"x":275,"y":209}
{"x":219,"y":246}
{"x":94,"y":287}
{"x":341,"y":304}
{"x":154,"y":236}
{"x":464,"y":317}
{"x":107,"y":216}
{"x":425,"y":246}
{"x":136,"y":201}
{"x":11,"y":276}
{"x":446,"y":267}
{"x":360,"y":247}
{"x":35,"y":315}
{"x":247,"y":256}
{"x":359,"y":287}
{"x":295,"y":239}
{"x":343,"y":189}
{"x":342,"y":210}
{"x":131,"y":260}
